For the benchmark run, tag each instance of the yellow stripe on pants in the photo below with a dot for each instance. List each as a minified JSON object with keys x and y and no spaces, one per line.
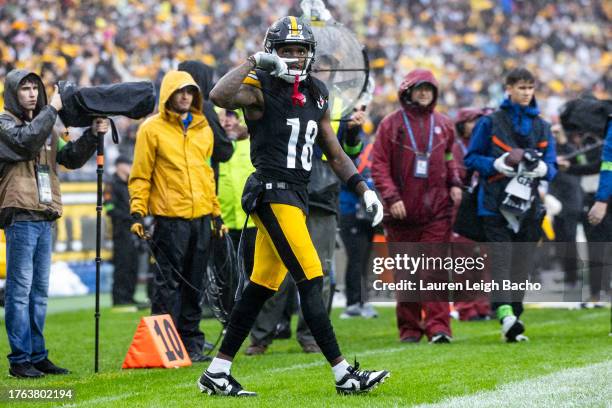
{"x":283,"y":243}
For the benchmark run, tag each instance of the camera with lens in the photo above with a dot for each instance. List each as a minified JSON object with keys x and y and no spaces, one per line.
{"x":531,"y":157}
{"x":81,"y":105}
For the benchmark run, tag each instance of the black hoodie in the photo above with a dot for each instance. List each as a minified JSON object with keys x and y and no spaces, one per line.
{"x":203,"y":75}
{"x":23,"y":142}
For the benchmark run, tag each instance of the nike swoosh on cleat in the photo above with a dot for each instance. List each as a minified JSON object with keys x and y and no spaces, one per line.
{"x":351,"y":381}
{"x":221,"y":388}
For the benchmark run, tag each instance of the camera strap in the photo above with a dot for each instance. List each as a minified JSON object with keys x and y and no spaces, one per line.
{"x":114,"y":132}
{"x":421,"y":161}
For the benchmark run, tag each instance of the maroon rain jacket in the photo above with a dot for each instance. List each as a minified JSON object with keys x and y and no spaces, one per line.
{"x":461,"y":143}
{"x":393,"y":162}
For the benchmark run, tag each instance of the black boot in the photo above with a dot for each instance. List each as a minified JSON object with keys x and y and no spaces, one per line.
{"x":47,"y":367}
{"x":24,"y":370}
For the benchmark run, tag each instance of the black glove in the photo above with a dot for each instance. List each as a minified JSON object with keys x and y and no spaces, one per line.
{"x":219,"y":228}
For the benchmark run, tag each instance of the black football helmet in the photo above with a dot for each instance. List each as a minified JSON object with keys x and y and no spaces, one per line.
{"x":291,"y":30}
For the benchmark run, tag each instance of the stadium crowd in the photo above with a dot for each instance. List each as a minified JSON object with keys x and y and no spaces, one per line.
{"x":565,"y":44}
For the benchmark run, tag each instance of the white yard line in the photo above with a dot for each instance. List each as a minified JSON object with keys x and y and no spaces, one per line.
{"x":588,"y":386}
{"x":322,"y":362}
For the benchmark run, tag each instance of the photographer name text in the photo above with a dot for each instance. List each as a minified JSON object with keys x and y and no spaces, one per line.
{"x":467,"y":285}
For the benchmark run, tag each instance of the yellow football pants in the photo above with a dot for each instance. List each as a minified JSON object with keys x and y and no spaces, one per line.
{"x":283,"y":244}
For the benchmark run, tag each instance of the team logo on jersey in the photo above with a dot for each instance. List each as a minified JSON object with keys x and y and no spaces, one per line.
{"x":321,"y":102}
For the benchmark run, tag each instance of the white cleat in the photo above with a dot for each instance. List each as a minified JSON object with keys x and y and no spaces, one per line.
{"x":222,"y":384}
{"x":357,"y":381}
{"x":511,"y":328}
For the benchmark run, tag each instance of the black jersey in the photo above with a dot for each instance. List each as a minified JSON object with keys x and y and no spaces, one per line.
{"x":282,"y":140}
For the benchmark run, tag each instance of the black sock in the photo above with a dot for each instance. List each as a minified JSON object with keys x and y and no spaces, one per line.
{"x":315,"y":315}
{"x":243,"y":317}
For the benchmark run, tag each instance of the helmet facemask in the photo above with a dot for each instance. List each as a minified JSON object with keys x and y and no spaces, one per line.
{"x":291,"y":31}
{"x":291,"y":74}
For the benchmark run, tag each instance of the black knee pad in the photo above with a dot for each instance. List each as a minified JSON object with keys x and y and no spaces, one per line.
{"x":243,"y":317}
{"x":315,"y":315}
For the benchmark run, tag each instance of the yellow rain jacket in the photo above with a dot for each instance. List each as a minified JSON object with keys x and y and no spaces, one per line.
{"x":171,"y":175}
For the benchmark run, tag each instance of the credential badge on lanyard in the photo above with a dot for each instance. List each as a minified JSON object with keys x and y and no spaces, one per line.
{"x":421,"y":163}
{"x":43,"y":176}
{"x":44,"y":184}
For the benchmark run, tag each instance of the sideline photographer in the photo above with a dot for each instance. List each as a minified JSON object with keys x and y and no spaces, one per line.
{"x":29,"y":205}
{"x":512,"y":149}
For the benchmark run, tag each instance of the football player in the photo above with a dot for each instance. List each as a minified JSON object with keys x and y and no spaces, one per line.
{"x":286,"y":110}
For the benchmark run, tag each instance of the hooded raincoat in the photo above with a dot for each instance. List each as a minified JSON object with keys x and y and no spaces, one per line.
{"x":425,"y":199}
{"x":171,"y":175}
{"x":462,"y":141}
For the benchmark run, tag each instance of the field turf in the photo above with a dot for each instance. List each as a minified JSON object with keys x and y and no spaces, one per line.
{"x":568,"y":362}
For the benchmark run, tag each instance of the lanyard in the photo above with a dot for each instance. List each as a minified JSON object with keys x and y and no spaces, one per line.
{"x":364,"y":158}
{"x":462,"y":145}
{"x":412,"y":140}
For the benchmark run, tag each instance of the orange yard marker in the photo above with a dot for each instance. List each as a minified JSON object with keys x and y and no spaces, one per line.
{"x":156,"y":343}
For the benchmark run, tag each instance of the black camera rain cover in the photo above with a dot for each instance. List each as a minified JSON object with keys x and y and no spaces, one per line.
{"x":586,"y":114}
{"x":82,"y":105}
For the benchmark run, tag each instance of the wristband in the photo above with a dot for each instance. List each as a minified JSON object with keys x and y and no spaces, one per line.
{"x":353,"y":181}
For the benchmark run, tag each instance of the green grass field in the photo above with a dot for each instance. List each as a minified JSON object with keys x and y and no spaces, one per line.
{"x":568,"y":362}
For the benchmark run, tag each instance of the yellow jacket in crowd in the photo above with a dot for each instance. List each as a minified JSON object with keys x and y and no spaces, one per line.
{"x":171,"y":175}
